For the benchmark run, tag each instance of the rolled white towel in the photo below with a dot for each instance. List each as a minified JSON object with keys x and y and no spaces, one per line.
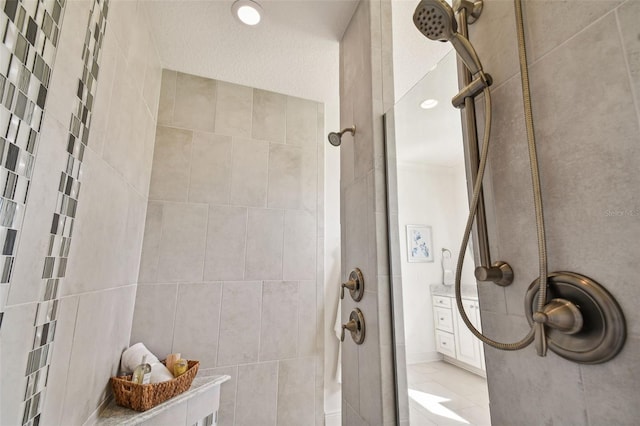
{"x":132,"y":357}
{"x":160,"y":373}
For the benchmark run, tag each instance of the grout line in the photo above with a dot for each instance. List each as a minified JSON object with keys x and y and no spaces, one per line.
{"x":260,"y":320}
{"x":220,"y":323}
{"x":206,"y":239}
{"x":298,"y":319}
{"x":284,"y":231}
{"x":246,"y":238}
{"x":625,"y":54}
{"x":73,"y":340}
{"x":235,"y":395}
{"x":175,"y":311}
{"x":232,"y":154}
{"x":191,"y":143}
{"x":277,"y":388}
{"x":584,"y":396}
{"x":568,"y":40}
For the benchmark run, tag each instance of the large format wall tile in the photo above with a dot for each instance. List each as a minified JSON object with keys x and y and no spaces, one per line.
{"x":257,"y":394}
{"x":112,"y":212}
{"x":167,"y":97}
{"x":151,"y":243}
{"x":265,"y":229}
{"x":308,"y":318}
{"x":195,"y":332}
{"x":250,"y":172}
{"x":112,"y":316}
{"x":269,"y":116}
{"x":210,"y":175}
{"x":295,"y":392}
{"x":299,"y":245}
{"x":153,"y":321}
{"x":302,"y":122}
{"x":233,"y":110}
{"x":292,"y":178}
{"x":181,"y":252}
{"x":572,"y":148}
{"x":575,"y":16}
{"x":125,"y":147}
{"x":226,"y":238}
{"x":195,"y":103}
{"x":171,"y":163}
{"x":226,"y":413}
{"x":239,"y":318}
{"x":279,"y":323}
{"x":601,"y":407}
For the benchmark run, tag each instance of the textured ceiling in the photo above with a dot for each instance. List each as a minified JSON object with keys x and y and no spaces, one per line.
{"x":294,"y":50}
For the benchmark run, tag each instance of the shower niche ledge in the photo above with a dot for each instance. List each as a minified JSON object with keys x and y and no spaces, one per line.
{"x":197,"y":406}
{"x":454,"y":341}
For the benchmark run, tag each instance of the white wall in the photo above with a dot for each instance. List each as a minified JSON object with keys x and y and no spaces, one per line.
{"x":434,"y":196}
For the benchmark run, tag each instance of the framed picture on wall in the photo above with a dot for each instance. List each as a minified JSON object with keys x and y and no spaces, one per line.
{"x":419,"y":243}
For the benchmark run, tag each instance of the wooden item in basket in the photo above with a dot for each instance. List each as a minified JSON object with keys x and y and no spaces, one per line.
{"x":144,"y":397}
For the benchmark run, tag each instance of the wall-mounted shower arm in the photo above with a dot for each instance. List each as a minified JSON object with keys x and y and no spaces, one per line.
{"x":335,"y":138}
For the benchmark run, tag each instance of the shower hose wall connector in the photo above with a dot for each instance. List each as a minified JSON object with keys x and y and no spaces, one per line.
{"x":581,"y":321}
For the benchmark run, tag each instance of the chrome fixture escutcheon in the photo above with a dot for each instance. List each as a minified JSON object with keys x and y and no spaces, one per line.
{"x":355,"y":285}
{"x":355,"y":325}
{"x":583,"y":321}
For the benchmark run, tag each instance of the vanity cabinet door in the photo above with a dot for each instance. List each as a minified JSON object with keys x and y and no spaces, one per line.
{"x":468,"y":347}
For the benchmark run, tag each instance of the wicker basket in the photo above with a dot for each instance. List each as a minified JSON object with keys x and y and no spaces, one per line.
{"x":144,"y":397}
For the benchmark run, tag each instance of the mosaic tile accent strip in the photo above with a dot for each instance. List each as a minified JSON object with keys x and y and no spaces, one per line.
{"x":29,"y":32}
{"x":55,"y":263}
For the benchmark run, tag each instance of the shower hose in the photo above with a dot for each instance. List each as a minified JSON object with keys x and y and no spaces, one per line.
{"x":537,"y":331}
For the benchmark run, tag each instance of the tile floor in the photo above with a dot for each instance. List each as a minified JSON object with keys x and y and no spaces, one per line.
{"x":441,"y":394}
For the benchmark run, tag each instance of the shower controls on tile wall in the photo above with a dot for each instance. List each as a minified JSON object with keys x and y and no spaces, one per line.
{"x":355,"y":285}
{"x":356,"y":326}
{"x":569,"y":313}
{"x":584,"y":322}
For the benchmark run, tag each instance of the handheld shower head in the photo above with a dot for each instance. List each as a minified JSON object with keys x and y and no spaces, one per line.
{"x":436,"y":21}
{"x":335,"y":138}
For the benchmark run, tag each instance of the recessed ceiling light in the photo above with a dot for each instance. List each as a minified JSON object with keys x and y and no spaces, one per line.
{"x":428,"y":104}
{"x":247,"y":11}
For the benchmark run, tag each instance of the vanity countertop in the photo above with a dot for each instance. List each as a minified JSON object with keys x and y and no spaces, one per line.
{"x":113,"y":414}
{"x":468,"y":291}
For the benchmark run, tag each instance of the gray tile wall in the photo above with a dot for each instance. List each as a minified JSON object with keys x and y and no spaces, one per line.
{"x":584,"y":72}
{"x":92,"y":316}
{"x":366,"y":91}
{"x":230,"y":264}
{"x":94,"y":310}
